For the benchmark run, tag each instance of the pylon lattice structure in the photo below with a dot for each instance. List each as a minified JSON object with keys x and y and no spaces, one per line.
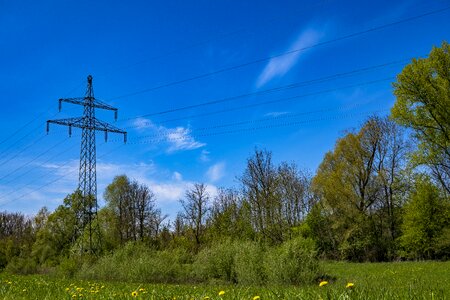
{"x":89,"y":124}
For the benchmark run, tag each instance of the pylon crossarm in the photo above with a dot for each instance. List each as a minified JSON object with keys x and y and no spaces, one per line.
{"x":103,"y":126}
{"x":82,"y":101}
{"x":84,"y":123}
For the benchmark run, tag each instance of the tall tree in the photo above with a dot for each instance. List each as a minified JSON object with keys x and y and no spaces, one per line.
{"x":360,"y":185}
{"x":260,"y":188}
{"x":134,"y":214}
{"x":423,"y":100}
{"x":196,"y":209}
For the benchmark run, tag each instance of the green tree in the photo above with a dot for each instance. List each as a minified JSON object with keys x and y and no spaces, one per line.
{"x":58,"y":232}
{"x":360,"y":185}
{"x":426,"y":222}
{"x":196,"y":209}
{"x":423,"y":100}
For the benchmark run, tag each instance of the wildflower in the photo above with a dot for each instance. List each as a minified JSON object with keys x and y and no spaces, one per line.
{"x":221,"y":293}
{"x":134,"y":294}
{"x":141,"y":289}
{"x":323,"y":282}
{"x":74,"y":296}
{"x":256,"y":298}
{"x":350,"y":285}
{"x":67,"y":289}
{"x":206,"y":298}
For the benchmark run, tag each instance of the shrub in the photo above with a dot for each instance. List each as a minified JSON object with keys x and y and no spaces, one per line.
{"x":137,"y":262}
{"x":216,"y":262}
{"x":293,"y":262}
{"x":21,"y":265}
{"x":248,"y":263}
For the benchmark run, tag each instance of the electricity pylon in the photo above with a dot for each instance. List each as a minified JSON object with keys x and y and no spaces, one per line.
{"x":87,"y":185}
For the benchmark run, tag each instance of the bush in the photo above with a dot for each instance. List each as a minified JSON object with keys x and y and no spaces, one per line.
{"x":216,"y":262}
{"x":248,"y":263}
{"x":294,"y":262}
{"x":136,"y":262}
{"x":21,"y":265}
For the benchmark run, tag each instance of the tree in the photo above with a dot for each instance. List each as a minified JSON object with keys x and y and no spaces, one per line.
{"x":117,"y":196}
{"x":360,"y":185}
{"x":229,"y":216}
{"x":260,"y":188}
{"x":295,"y":191}
{"x":59,"y":232}
{"x":426,"y":220}
{"x":196,"y":209}
{"x":134,"y":215}
{"x":423,"y":100}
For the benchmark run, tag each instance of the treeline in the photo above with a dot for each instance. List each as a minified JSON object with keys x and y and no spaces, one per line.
{"x":382,"y":194}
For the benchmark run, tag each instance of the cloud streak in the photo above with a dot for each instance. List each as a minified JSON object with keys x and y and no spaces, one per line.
{"x":279,"y":66}
{"x":178,"y":138}
{"x":216,"y":172}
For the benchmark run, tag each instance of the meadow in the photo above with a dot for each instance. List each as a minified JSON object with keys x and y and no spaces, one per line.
{"x":403,"y":280}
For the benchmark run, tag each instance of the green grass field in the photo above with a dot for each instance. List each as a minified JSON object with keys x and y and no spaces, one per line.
{"x":407,"y":280}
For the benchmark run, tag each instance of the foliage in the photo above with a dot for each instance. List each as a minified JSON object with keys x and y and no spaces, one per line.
{"x":422,"y":103}
{"x":294,"y":262}
{"x":426,"y":223}
{"x":361,"y":186}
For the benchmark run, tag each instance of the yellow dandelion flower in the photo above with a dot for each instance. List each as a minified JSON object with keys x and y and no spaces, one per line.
{"x":206,"y":298}
{"x":221,"y":293}
{"x":134,"y":294}
{"x":141,"y":289}
{"x":256,"y":298}
{"x":323,"y":282}
{"x":67,"y":289}
{"x":350,"y":285}
{"x":74,"y":296}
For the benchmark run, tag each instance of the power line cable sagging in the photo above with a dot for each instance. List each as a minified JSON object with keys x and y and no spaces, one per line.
{"x":260,"y":60}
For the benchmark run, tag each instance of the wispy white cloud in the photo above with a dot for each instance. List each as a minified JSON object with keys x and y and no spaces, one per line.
{"x":216,"y":172}
{"x":179,"y":138}
{"x":279,"y":66}
{"x":275,"y":114}
{"x":204,"y":156}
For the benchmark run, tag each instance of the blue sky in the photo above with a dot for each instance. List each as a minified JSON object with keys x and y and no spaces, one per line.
{"x":144,"y":56}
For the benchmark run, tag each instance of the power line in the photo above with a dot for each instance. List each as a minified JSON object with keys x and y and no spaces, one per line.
{"x":348,"y":36}
{"x":275,"y":89}
{"x":166,"y":132}
{"x":53,"y":181}
{"x":33,"y":120}
{"x":278,"y":100}
{"x":32,"y":160}
{"x":205,"y":42}
{"x":23,"y":150}
{"x":255,"y":128}
{"x":30,"y":170}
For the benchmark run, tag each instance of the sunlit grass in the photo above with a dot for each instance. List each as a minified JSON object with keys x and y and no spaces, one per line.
{"x":418,"y":280}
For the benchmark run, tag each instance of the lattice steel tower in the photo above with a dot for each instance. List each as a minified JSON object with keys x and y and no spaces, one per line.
{"x":87,"y":173}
